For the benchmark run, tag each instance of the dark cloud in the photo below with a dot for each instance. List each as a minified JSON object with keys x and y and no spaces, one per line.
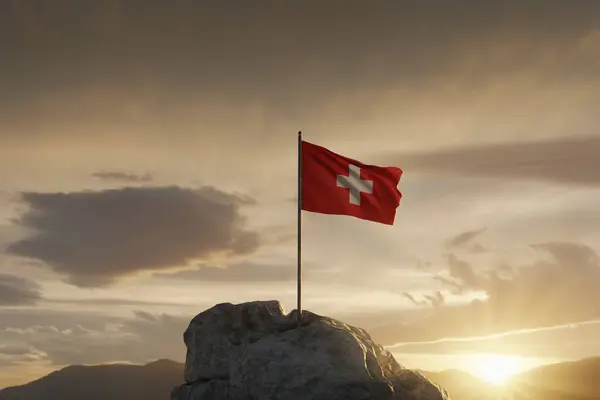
{"x":93,"y":238}
{"x":566,"y":160}
{"x":15,"y":290}
{"x":126,"y":177}
{"x":560,"y":288}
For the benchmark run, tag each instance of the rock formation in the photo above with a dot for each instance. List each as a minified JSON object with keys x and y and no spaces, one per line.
{"x":253,"y":351}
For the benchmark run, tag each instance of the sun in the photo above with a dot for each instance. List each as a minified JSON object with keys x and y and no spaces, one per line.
{"x":496,"y":369}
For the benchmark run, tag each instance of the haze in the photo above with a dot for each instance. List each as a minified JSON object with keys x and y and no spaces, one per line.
{"x":148,"y":171}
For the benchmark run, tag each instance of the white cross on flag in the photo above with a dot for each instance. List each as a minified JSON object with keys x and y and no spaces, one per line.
{"x":334,"y":184}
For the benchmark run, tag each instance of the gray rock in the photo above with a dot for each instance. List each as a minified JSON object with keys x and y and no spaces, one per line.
{"x":253,"y":351}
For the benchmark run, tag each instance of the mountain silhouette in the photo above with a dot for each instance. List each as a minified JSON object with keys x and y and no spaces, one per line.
{"x":566,"y":380}
{"x":576,"y":380}
{"x":153,"y":381}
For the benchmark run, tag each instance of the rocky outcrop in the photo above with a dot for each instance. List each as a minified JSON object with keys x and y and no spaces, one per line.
{"x":253,"y":351}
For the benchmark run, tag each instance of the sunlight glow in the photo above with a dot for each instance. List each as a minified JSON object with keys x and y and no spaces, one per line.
{"x":496,"y":369}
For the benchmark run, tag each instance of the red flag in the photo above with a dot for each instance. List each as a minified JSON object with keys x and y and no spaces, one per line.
{"x":334,"y":184}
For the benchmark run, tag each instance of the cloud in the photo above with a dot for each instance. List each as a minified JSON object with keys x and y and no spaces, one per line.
{"x":463,"y":274}
{"x":94,"y":238}
{"x":169,"y":71}
{"x":15,"y":290}
{"x":465,"y":240}
{"x":239,"y":272}
{"x":246,"y":271}
{"x":11,"y":355}
{"x":13,"y":350}
{"x":579,"y":258}
{"x":436,"y":300}
{"x":571,"y":160}
{"x":64,"y":338}
{"x":139,"y":339}
{"x":116,"y":302}
{"x":24,"y":318}
{"x":412,"y":299}
{"x":559,"y":288}
{"x":569,"y":341}
{"x":122,"y":176}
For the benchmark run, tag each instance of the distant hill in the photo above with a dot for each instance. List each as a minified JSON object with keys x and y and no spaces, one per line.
{"x":571,"y":380}
{"x":577,"y":380}
{"x":152,"y":381}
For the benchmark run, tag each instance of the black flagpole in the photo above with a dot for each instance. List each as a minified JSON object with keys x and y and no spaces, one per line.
{"x":299,"y":227}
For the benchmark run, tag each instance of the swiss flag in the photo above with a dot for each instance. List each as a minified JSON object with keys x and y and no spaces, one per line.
{"x":334,"y":184}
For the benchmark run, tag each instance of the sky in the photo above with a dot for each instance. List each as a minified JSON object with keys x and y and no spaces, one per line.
{"x":148,"y":172}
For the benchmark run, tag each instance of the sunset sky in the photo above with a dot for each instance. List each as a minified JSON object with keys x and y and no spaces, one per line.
{"x":148,"y":172}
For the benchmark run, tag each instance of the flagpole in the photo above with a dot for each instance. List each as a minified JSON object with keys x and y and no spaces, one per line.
{"x":299,"y":227}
